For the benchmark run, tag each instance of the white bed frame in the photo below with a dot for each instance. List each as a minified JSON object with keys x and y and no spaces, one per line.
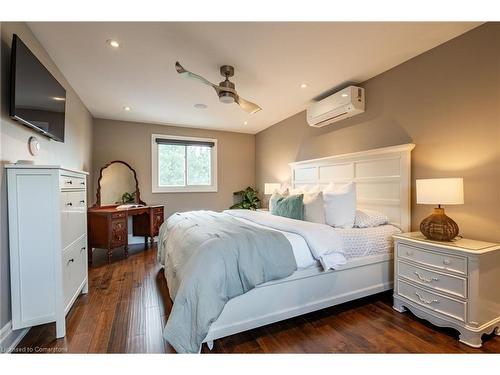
{"x":382,"y":179}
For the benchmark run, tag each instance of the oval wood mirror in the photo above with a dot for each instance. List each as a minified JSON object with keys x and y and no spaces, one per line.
{"x":117,"y":185}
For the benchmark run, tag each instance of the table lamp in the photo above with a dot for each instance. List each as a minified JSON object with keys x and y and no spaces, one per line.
{"x":270,"y":188}
{"x":440,"y":191}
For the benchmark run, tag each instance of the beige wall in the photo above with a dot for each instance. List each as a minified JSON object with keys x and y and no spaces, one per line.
{"x":131,"y":142}
{"x":446,"y":101}
{"x":75,"y":152}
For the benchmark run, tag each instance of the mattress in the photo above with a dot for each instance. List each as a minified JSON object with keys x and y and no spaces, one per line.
{"x":358,"y":242}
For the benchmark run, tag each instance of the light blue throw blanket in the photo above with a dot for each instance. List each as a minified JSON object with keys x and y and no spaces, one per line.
{"x":210,"y":258}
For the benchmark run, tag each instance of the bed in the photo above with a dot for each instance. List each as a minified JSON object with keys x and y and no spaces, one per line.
{"x":382,"y":178}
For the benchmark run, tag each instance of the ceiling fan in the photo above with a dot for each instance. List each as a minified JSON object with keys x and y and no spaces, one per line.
{"x":225,"y":89}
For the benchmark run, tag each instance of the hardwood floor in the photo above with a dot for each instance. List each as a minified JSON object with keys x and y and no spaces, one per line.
{"x":128,"y":304}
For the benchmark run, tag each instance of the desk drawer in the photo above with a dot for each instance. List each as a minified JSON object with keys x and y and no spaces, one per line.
{"x":118,"y":232}
{"x":433,"y":301}
{"x":118,"y":215}
{"x":435,"y":280}
{"x":157,"y":220}
{"x":441,"y":261}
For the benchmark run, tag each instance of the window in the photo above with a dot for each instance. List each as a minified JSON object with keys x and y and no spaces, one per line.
{"x":183,"y":164}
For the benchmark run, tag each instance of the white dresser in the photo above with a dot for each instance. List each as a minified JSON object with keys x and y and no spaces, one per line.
{"x":47,"y":213}
{"x":455,"y":284}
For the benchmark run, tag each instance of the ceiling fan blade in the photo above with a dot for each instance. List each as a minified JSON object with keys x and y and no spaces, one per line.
{"x":247,"y":106}
{"x":186,"y":73}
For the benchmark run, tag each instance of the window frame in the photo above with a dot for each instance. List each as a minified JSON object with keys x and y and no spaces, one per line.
{"x":156,"y":188}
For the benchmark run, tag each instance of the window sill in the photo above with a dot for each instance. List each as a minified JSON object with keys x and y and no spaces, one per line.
{"x":208,"y":189}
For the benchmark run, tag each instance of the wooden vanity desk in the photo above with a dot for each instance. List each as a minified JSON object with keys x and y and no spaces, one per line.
{"x":108,"y":226}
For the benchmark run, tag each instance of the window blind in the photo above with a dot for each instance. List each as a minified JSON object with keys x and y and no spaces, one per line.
{"x":183,"y":142}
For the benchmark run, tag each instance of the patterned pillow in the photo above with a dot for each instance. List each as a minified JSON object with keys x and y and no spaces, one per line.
{"x":369,"y":218}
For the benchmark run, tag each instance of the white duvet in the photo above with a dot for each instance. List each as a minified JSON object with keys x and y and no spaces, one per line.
{"x":323,"y":243}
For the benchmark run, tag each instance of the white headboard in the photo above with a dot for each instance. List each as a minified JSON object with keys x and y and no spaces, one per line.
{"x":382,"y":178}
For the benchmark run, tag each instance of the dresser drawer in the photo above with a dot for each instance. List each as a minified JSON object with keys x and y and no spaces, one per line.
{"x":74,"y":200}
{"x":74,"y":268}
{"x":71,"y":182}
{"x":73,"y":216}
{"x":435,"y":280}
{"x":433,"y":259}
{"x":433,"y":301}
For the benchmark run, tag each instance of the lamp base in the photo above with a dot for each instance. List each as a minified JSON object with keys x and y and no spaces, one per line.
{"x":438,"y":226}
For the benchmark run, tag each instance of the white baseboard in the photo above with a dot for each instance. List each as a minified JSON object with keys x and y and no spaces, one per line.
{"x":9,"y":338}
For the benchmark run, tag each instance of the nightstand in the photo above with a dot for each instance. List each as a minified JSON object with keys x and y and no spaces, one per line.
{"x":451,"y":284}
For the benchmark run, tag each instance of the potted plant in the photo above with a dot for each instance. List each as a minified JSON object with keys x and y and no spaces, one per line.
{"x":249,"y":199}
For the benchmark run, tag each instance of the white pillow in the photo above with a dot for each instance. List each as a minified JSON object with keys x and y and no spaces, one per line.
{"x":314,"y":208}
{"x":340,"y":205}
{"x":305,"y":189}
{"x":369,"y":218}
{"x":296,"y":191}
{"x":313,"y":189}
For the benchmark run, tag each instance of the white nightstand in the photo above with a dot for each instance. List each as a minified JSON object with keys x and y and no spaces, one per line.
{"x":450,"y":284}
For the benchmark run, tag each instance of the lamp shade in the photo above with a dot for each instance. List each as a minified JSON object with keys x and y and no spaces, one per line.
{"x":440,"y":191}
{"x":270,"y":188}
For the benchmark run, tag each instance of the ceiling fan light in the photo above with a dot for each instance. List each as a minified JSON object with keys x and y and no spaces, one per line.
{"x":226,"y":97}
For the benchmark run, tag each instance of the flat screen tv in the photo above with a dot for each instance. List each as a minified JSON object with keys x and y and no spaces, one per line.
{"x":37,"y":100}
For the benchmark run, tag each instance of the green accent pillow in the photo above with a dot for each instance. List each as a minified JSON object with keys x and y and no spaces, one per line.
{"x":291,"y":207}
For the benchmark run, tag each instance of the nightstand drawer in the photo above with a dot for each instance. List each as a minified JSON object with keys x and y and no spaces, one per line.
{"x":435,"y":280}
{"x":433,"y":301}
{"x":442,"y":261}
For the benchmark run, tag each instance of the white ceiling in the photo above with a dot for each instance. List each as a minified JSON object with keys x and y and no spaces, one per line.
{"x":271,"y":60}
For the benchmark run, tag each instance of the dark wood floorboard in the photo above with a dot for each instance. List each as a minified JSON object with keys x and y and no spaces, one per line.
{"x":128,"y":305}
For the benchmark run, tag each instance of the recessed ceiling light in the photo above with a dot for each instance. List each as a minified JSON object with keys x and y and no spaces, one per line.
{"x":58,"y":98}
{"x":113,"y":43}
{"x":245,"y":123}
{"x":344,"y":95}
{"x":303,"y":85}
{"x":126,"y":108}
{"x":200,"y":106}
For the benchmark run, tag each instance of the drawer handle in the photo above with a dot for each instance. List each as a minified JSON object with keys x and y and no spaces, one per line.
{"x":446,"y":262}
{"x":69,"y":204}
{"x":82,"y":201}
{"x":69,"y":182}
{"x":409,"y":253}
{"x":83,"y":248}
{"x":82,"y":183}
{"x":71,"y":260}
{"x":422,"y":299}
{"x":421,"y":278}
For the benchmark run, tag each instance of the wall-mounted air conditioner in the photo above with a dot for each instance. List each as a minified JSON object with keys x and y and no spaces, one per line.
{"x":341,"y":105}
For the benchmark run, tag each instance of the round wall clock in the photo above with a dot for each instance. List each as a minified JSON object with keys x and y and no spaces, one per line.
{"x":34,"y":146}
